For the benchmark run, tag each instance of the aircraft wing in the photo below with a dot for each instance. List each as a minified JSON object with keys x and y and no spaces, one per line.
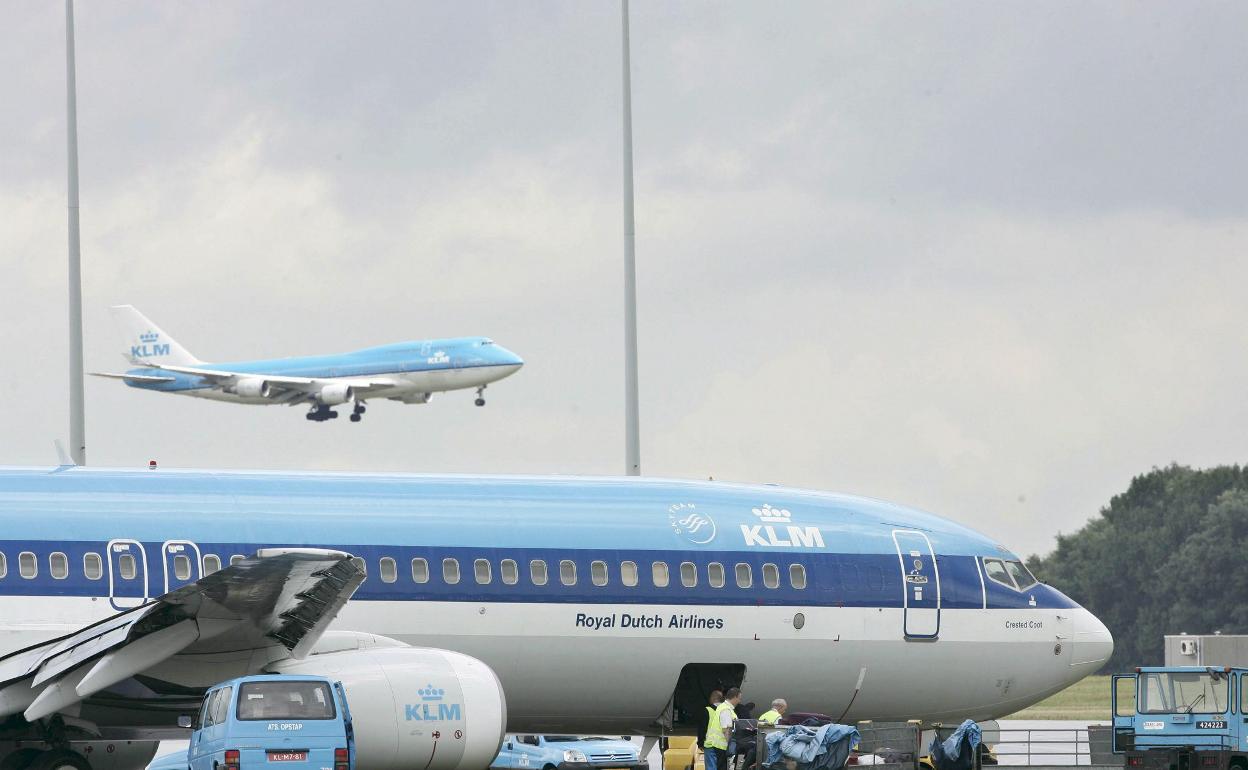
{"x":266,"y":607}
{"x":134,"y":377}
{"x":290,"y":389}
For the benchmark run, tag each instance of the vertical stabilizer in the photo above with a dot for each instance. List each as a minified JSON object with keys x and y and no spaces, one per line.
{"x":145,"y":342}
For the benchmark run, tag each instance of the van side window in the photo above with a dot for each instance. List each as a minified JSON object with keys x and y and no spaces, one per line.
{"x":995,"y":570}
{"x":797,"y":576}
{"x":58,"y":565}
{"x":658,"y":574}
{"x":450,"y":571}
{"x":27,"y":565}
{"x":688,"y":574}
{"x":715,"y":574}
{"x":212,"y":563}
{"x":628,"y":573}
{"x":598,"y":573}
{"x":567,"y":572}
{"x":4,"y":565}
{"x":205,"y":711}
{"x":537,"y":572}
{"x":387,"y":570}
{"x":221,"y":709}
{"x":420,"y":570}
{"x":509,"y":572}
{"x":745,"y":577}
{"x":481,"y":568}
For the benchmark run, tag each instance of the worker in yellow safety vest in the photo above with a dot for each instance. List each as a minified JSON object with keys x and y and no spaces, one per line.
{"x":717,"y":696}
{"x":778,"y":707}
{"x":720,"y":729}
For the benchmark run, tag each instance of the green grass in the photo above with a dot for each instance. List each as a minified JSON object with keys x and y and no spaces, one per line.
{"x":1086,"y":699}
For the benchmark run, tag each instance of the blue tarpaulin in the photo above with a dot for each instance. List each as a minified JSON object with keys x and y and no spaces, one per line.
{"x":813,"y":748}
{"x":957,"y":752}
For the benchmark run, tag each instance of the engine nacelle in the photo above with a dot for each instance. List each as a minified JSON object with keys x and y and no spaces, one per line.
{"x":415,"y":707}
{"x":335,"y":393}
{"x":253,"y":387}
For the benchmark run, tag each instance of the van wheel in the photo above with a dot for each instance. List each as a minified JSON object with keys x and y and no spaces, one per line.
{"x":61,"y":760}
{"x":20,"y":759}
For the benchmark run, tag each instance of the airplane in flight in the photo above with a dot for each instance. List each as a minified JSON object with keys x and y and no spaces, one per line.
{"x":408,"y":372}
{"x":454,"y":608}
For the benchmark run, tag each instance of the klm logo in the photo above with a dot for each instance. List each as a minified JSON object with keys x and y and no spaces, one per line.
{"x":148,"y":347}
{"x":438,"y":358}
{"x":776,"y":530}
{"x":431,"y":708}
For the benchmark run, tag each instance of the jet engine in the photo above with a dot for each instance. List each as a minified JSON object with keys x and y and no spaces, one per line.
{"x":415,"y":707}
{"x":253,"y":387}
{"x":331,"y":395}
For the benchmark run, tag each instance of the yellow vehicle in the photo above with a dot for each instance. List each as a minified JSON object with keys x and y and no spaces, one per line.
{"x":682,"y":753}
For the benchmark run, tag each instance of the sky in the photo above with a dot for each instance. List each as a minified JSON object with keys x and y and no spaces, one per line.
{"x":982,"y":259}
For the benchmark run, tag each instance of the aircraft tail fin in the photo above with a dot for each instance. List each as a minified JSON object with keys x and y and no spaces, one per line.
{"x":147,"y":342}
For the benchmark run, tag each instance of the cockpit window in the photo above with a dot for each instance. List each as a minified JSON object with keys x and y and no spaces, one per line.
{"x":1011,"y":574}
{"x":1022,"y":576}
{"x":487,"y":341}
{"x":996,"y":572}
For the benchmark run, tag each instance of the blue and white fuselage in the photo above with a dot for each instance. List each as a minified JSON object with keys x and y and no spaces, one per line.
{"x":587,"y":596}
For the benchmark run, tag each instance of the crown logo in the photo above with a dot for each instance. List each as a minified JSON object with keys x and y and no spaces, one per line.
{"x":430,"y":693}
{"x":148,"y":336}
{"x":773,"y":515}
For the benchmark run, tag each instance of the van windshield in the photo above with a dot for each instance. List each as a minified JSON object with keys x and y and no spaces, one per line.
{"x":285,"y":700}
{"x":1183,"y":692}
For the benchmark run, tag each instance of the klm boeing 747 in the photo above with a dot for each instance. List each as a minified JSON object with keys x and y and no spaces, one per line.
{"x":409,"y":372}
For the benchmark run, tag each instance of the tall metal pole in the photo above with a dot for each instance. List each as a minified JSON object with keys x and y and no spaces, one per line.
{"x":77,"y":409}
{"x":632,"y":438}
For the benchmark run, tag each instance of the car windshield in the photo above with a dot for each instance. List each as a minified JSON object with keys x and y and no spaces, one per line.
{"x":1185,"y":692}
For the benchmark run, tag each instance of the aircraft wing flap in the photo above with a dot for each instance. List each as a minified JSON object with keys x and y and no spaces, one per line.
{"x":134,"y":377}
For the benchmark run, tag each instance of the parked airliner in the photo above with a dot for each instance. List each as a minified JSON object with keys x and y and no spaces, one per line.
{"x":410,"y":372}
{"x":596,"y":605}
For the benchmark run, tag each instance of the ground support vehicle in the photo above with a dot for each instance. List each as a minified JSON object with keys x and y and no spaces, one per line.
{"x":567,"y":752}
{"x":1182,"y":718}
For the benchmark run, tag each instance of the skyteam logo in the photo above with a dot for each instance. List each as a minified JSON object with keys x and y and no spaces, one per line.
{"x":775,"y":529}
{"x":438,"y":358}
{"x":697,"y":528}
{"x":432,"y":708}
{"x":148,"y":346}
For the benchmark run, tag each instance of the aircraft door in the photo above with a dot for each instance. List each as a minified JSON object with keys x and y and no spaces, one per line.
{"x":182,"y":563}
{"x":127,"y":574}
{"x":920,"y":584}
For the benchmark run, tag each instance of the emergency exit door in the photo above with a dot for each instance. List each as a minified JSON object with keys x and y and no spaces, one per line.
{"x":182,"y":563}
{"x":920,"y":585}
{"x":127,"y":574}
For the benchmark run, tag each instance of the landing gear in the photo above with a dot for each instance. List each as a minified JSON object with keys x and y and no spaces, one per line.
{"x":480,"y":396}
{"x":321,"y":413}
{"x":358,"y":412}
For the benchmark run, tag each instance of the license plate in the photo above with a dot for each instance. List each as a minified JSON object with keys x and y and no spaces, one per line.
{"x":1212,"y":724}
{"x":288,"y":756}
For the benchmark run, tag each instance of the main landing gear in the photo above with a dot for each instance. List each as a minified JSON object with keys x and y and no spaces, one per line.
{"x":480,"y":396}
{"x":321,"y":413}
{"x":358,"y":412}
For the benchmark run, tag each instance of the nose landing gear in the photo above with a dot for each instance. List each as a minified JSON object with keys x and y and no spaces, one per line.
{"x":480,"y":396}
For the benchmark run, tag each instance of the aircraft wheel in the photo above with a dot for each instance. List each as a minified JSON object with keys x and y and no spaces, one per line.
{"x":480,"y":402}
{"x":20,"y":759}
{"x":60,"y":759}
{"x":355,"y":417}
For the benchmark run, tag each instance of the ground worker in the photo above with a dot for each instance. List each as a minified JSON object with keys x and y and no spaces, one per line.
{"x":720,"y":731}
{"x":778,"y":707}
{"x":716,"y":697}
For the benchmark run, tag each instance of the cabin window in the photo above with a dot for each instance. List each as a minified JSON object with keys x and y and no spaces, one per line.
{"x":450,"y":571}
{"x":1022,"y":577}
{"x":92,"y":566}
{"x":27,"y":565}
{"x":388,"y":570}
{"x":537,"y":572}
{"x":628,"y":573}
{"x":212,"y":563}
{"x":797,"y":576}
{"x":745,"y":577}
{"x":771,"y":576}
{"x":567,"y":572}
{"x":58,"y":565}
{"x":4,"y":565}
{"x":509,"y":571}
{"x":481,"y":569}
{"x":658,"y":574}
{"x":182,"y":567}
{"x":360,"y":564}
{"x":126,"y":566}
{"x":235,"y":559}
{"x":996,"y":572}
{"x":715,"y":574}
{"x":420,"y":570}
{"x":598,"y":573}
{"x":688,"y":574}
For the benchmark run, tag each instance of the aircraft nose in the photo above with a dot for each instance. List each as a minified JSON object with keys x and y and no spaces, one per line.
{"x":511,"y":359}
{"x":1093,"y":641}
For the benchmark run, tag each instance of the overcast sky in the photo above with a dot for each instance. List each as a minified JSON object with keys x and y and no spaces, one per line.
{"x":984,"y":259}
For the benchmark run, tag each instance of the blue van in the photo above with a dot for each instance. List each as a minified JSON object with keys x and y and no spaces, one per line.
{"x":273,"y":721}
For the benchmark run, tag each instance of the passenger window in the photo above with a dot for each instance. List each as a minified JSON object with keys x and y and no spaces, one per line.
{"x":360,"y":564}
{"x":58,"y":565}
{"x":420,"y":570}
{"x":715,"y":574}
{"x":126,"y":566}
{"x":509,"y":571}
{"x":481,"y":568}
{"x":387,"y":570}
{"x":688,"y":574}
{"x":537,"y":572}
{"x":1022,"y":578}
{"x":235,"y":559}
{"x":567,"y":572}
{"x":212,"y":563}
{"x":92,"y":566}
{"x":995,"y":571}
{"x":598,"y":573}
{"x":4,"y":565}
{"x":658,"y":574}
{"x":182,"y":567}
{"x":628,"y":573}
{"x":797,"y":576}
{"x":745,"y":577}
{"x":221,"y":709}
{"x":771,"y":576}
{"x":450,"y":571}
{"x":27,"y":565}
